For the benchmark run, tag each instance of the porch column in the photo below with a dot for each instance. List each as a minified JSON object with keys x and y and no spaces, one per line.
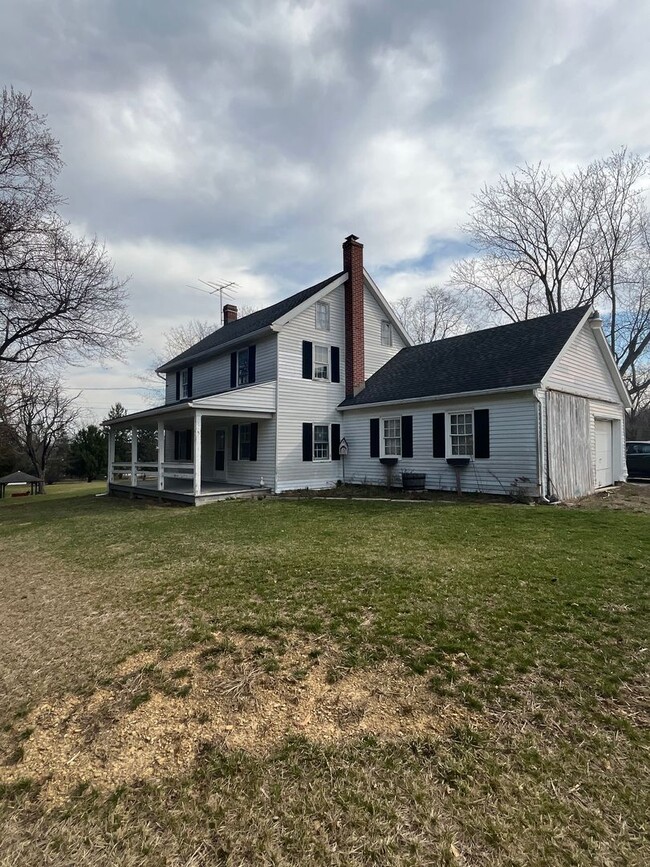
{"x":111,"y":454}
{"x":161,"y":454}
{"x":197,"y":454}
{"x":134,"y":455}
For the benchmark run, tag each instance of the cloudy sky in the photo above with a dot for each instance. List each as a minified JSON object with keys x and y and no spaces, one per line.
{"x":243,"y":140}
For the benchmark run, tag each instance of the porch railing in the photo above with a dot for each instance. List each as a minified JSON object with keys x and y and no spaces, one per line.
{"x":148,"y":471}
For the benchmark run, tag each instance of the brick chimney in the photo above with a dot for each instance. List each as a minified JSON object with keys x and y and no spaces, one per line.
{"x":229,"y":313}
{"x":354,"y":332}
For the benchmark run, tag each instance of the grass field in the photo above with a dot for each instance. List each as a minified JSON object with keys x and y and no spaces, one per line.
{"x":322,"y":682}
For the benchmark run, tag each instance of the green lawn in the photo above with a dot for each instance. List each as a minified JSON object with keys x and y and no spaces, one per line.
{"x":321,"y":682}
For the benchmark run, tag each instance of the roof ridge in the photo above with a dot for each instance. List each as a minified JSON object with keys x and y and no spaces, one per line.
{"x":520,"y":322}
{"x":257,"y":320}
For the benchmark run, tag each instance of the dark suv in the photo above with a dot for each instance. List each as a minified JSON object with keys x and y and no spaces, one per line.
{"x":638,"y":459}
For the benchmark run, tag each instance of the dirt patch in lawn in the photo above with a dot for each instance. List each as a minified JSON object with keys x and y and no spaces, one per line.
{"x":630,"y":497}
{"x":153,"y":719}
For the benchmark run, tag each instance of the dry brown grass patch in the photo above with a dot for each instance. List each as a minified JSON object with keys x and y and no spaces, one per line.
{"x":228,"y":699}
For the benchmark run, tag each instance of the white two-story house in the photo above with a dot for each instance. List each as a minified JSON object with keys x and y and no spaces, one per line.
{"x":266,"y":401}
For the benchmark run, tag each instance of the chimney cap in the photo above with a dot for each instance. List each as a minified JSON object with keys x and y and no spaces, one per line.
{"x":352,"y":238}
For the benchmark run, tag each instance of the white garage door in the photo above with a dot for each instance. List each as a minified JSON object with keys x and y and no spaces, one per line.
{"x":604,"y":455}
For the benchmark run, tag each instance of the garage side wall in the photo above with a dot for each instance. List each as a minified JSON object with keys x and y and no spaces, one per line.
{"x":568,"y":445}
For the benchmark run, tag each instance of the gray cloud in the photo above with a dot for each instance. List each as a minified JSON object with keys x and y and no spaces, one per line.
{"x":246,"y":139}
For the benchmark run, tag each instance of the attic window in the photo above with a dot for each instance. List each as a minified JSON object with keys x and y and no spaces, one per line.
{"x":322,"y":316}
{"x":386,"y":333}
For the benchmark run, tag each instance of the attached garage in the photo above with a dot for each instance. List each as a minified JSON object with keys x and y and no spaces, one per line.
{"x":604,"y":453}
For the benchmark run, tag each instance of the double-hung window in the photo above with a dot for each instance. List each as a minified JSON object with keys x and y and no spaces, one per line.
{"x":244,"y":442}
{"x":243,"y":372}
{"x":461,"y":433}
{"x":386,"y":333}
{"x":321,"y":442}
{"x":185,"y":383}
{"x":321,"y":362}
{"x":322,"y":316}
{"x":392,"y":437}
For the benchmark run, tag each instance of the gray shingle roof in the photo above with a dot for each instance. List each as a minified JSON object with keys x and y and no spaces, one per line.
{"x":503,"y":357}
{"x":240,"y":328}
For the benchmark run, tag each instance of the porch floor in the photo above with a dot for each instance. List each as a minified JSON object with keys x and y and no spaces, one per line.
{"x":181,"y":490}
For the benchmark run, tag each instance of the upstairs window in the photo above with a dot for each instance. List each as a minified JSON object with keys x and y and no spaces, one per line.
{"x":461,"y":433}
{"x":322,"y":316}
{"x":321,"y":362}
{"x":392,"y":437}
{"x":185,"y":383}
{"x":321,"y":442}
{"x":386,"y":333}
{"x":243,"y":368}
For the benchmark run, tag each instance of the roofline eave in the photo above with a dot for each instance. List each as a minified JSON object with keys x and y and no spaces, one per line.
{"x":438,"y":397}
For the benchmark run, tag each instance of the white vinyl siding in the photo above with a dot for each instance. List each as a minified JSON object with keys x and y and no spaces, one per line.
{"x":305,"y":400}
{"x":583,"y":370}
{"x":513,"y":445}
{"x":376,"y":353}
{"x":213,"y":375}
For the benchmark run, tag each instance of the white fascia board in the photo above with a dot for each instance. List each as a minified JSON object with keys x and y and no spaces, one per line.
{"x":215,"y":350}
{"x":164,"y":412}
{"x":385,"y":306}
{"x":431,"y":398}
{"x":156,"y":412}
{"x":282,"y":320}
{"x":610,"y":361}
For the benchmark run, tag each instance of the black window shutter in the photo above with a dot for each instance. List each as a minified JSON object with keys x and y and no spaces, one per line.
{"x":336,"y":364}
{"x":307,"y":369}
{"x":439,"y":435}
{"x":336,"y":439}
{"x":307,"y":441}
{"x":407,"y":436}
{"x":253,"y":453}
{"x":481,"y":433}
{"x":234,"y":451}
{"x":177,"y":445}
{"x":251,"y":363}
{"x":178,"y":385}
{"x":189,"y":445}
{"x":189,"y":381}
{"x":374,"y":437}
{"x":233,"y":370}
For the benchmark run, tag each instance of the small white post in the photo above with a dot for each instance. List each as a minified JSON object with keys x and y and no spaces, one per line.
{"x":134,"y":455}
{"x":161,"y":454}
{"x":111,"y":454}
{"x":197,"y":454}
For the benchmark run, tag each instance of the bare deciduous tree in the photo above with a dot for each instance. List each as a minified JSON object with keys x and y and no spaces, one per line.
{"x":37,"y":413}
{"x":549,"y":242}
{"x":58,"y":294}
{"x":437,"y":314}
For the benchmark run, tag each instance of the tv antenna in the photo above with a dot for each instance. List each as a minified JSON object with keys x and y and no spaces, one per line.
{"x":227,"y":288}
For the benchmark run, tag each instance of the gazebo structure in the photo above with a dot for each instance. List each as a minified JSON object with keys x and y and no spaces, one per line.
{"x":20,"y":478}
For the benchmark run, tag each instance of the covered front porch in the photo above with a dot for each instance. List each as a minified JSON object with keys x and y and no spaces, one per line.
{"x":191,"y":453}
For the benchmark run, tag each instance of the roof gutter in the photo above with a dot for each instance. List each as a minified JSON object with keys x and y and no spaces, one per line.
{"x":437,"y":397}
{"x":214,"y":350}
